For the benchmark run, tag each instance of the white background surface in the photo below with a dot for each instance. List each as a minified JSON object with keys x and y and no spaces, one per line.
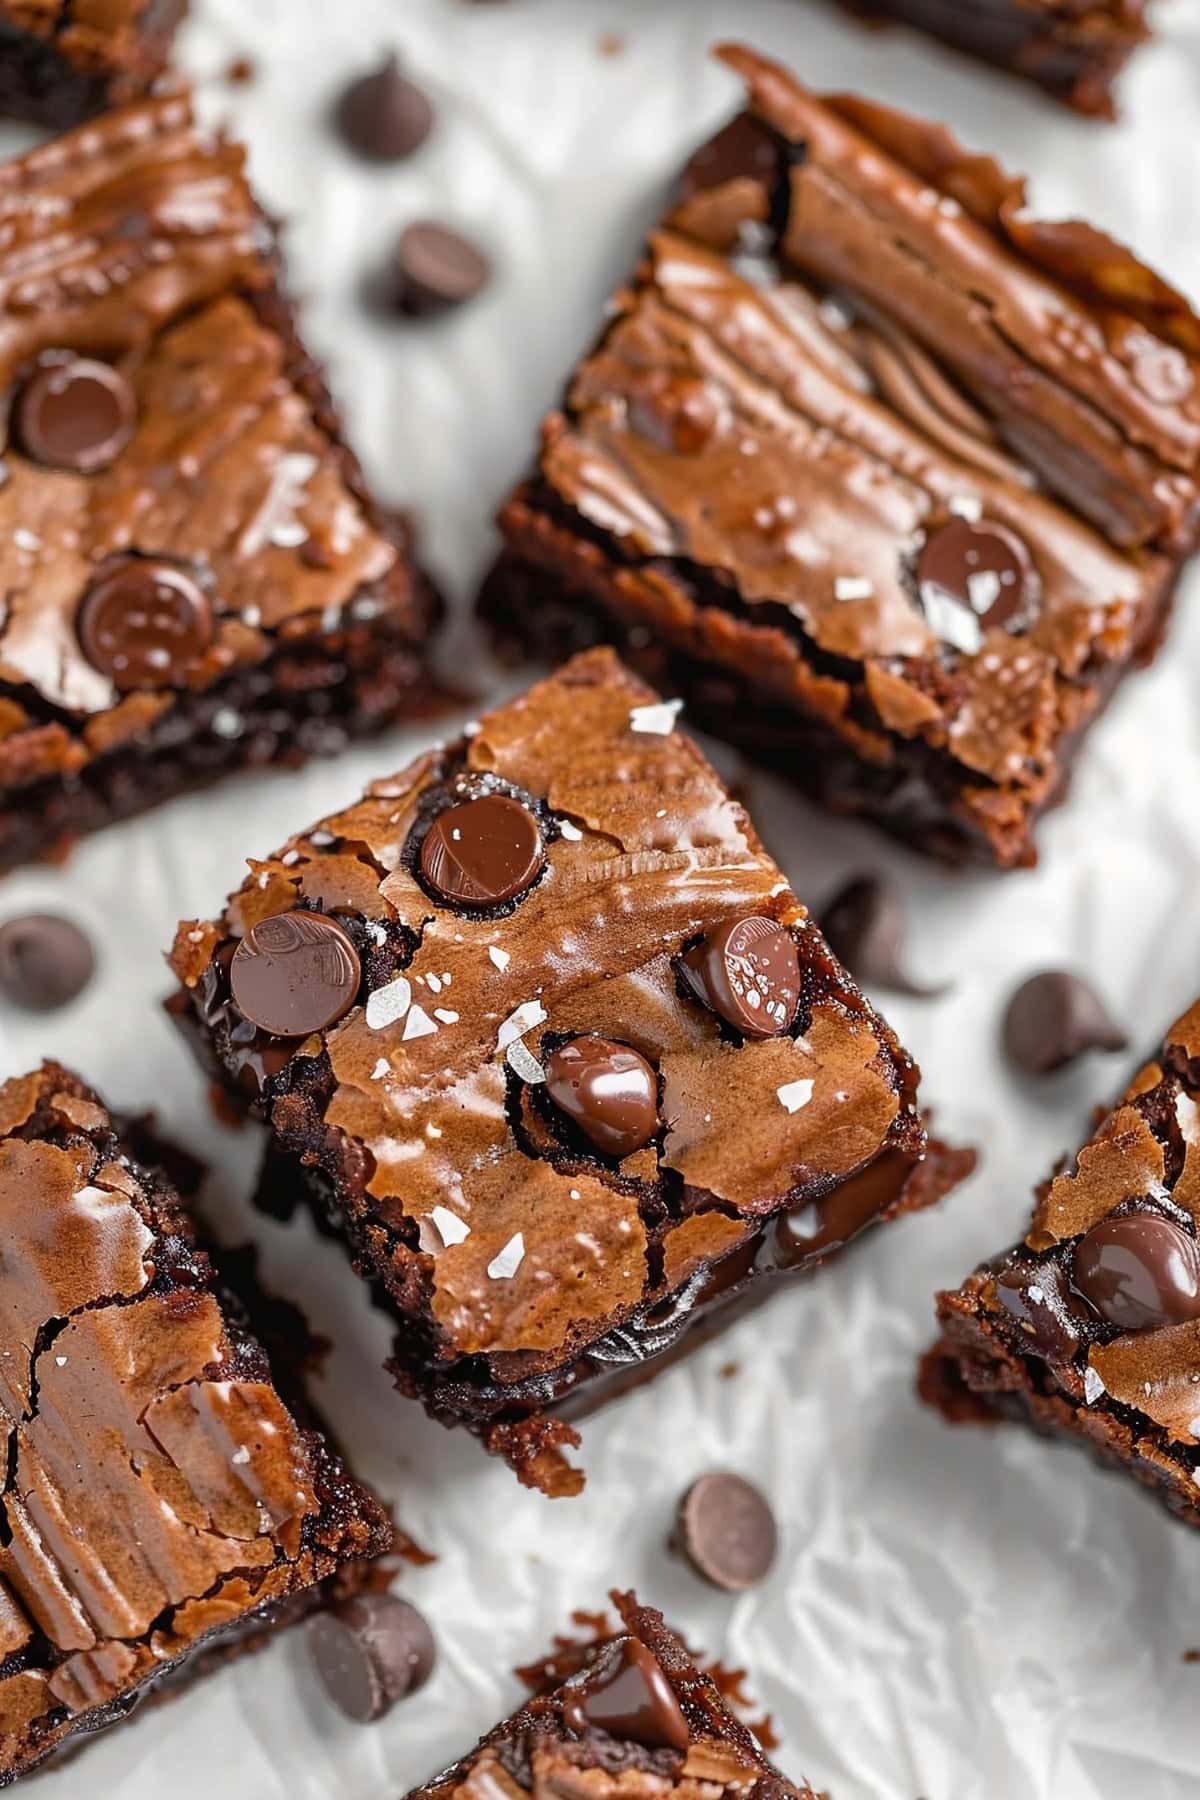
{"x":959,"y":1615}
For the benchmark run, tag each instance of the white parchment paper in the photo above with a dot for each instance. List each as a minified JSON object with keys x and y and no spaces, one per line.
{"x":958,"y":1615}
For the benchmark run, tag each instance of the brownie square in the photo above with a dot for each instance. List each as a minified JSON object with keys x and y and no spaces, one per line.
{"x":1089,"y":1328}
{"x":195,"y":579}
{"x":541,"y":1030}
{"x":636,"y":1719}
{"x":891,"y":481}
{"x":161,"y":1502}
{"x":1075,"y":49}
{"x":62,"y":60}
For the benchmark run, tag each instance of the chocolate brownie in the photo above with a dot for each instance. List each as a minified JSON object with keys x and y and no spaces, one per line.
{"x":889,"y":479}
{"x":161,"y":1502}
{"x":62,"y":60}
{"x":637,"y":1720}
{"x":1075,"y":49}
{"x":1090,"y":1327}
{"x":565,"y":1060}
{"x":194,"y":577}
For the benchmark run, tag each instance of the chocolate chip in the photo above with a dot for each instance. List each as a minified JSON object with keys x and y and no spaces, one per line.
{"x":1055,"y":1017}
{"x":743,"y":151}
{"x":436,"y":268}
{"x":45,"y":961}
{"x":608,"y":1090}
{"x":747,"y":970}
{"x":370,"y":1652}
{"x":1035,"y":1295}
{"x":1139,"y":1270}
{"x":74,"y":413}
{"x":981,"y":566}
{"x":727,"y":1532}
{"x":383,"y":116}
{"x":483,"y":852}
{"x":865,"y":925}
{"x":294,"y":973}
{"x":145,"y":622}
{"x":628,"y":1697}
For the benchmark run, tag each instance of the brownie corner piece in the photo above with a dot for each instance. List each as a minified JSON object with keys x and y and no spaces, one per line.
{"x":1089,"y":1328}
{"x":63,"y":60}
{"x":637,"y":1718}
{"x":543,"y":1033}
{"x":890,"y":480}
{"x":195,"y":578}
{"x":162,"y":1505}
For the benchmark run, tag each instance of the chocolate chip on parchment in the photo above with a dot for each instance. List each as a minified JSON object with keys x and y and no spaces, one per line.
{"x":727,"y":1531}
{"x":383,"y":116}
{"x":866,"y":927}
{"x":436,"y":268}
{"x":370,"y":1652}
{"x":1053,"y":1018}
{"x":45,"y":961}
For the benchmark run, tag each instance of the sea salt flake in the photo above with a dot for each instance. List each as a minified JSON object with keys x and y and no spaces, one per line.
{"x":418,"y":1025}
{"x":500,"y":957}
{"x":226,"y":723}
{"x":983,"y":587}
{"x":794,"y":1094}
{"x":434,"y":982}
{"x":450,"y":1227}
{"x":445,"y":1015}
{"x":966,"y":506}
{"x":241,"y":1457}
{"x":508,"y":1261}
{"x":523,"y":1062}
{"x":570,"y":831}
{"x":1093,"y":1387}
{"x":526,"y":1016}
{"x":61,"y":1361}
{"x":950,"y":621}
{"x":387,"y":1004}
{"x":658,"y":719}
{"x":382,"y":1067}
{"x":852,"y":587}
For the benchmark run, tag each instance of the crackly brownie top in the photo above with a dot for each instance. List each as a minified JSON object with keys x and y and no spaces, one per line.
{"x":572,"y":1031}
{"x":639,"y":1721}
{"x":1106,"y":1286}
{"x":173,"y":502}
{"x":872,"y":406}
{"x":86,"y":31}
{"x":156,"y":1487}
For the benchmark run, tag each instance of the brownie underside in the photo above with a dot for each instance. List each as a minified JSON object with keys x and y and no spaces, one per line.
{"x":309,"y":697}
{"x":41,"y":84}
{"x":544,"y":599}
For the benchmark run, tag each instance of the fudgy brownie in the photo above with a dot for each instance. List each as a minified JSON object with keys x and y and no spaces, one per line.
{"x":1090,"y":1327}
{"x":890,"y":480}
{"x":1074,"y":48}
{"x":161,"y":1503}
{"x":194,"y":577}
{"x":564,"y":1059}
{"x":61,"y":60}
{"x":638,"y":1719}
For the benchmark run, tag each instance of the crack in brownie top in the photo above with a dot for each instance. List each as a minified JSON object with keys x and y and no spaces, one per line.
{"x":174,"y":504}
{"x":156,"y":1488}
{"x":861,"y":401}
{"x":574,"y":1070}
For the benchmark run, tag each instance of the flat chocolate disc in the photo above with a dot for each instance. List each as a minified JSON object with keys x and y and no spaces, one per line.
{"x":608,"y":1090}
{"x":629,"y":1697}
{"x":727,"y":1532}
{"x":45,"y":961}
{"x":1139,"y":1270}
{"x":483,"y":852}
{"x":437,"y":268}
{"x":370,"y":1652}
{"x":145,"y":623}
{"x":294,"y":973}
{"x":748,"y":971}
{"x":75,"y":414}
{"x":983,"y":566}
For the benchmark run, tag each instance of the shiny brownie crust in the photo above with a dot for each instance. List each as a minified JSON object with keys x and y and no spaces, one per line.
{"x":319,"y":614}
{"x":550,"y":1747}
{"x":529,"y":1274}
{"x":1089,"y":1328}
{"x":892,"y":482}
{"x":164,"y":1506}
{"x":61,"y":62}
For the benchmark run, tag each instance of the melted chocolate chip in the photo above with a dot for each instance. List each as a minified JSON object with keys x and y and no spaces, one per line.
{"x":748,"y":971}
{"x":1035,"y":1295}
{"x":437,"y":268}
{"x":295,"y":973}
{"x":370,"y":1652}
{"x":628,"y":1697}
{"x":483,"y":852}
{"x":145,"y":623}
{"x":727,"y":1532}
{"x":1139,"y":1270}
{"x":74,"y":413}
{"x":983,"y":567}
{"x":607,"y":1090}
{"x":383,"y":116}
{"x":865,"y":926}
{"x":45,"y":961}
{"x":1053,"y":1018}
